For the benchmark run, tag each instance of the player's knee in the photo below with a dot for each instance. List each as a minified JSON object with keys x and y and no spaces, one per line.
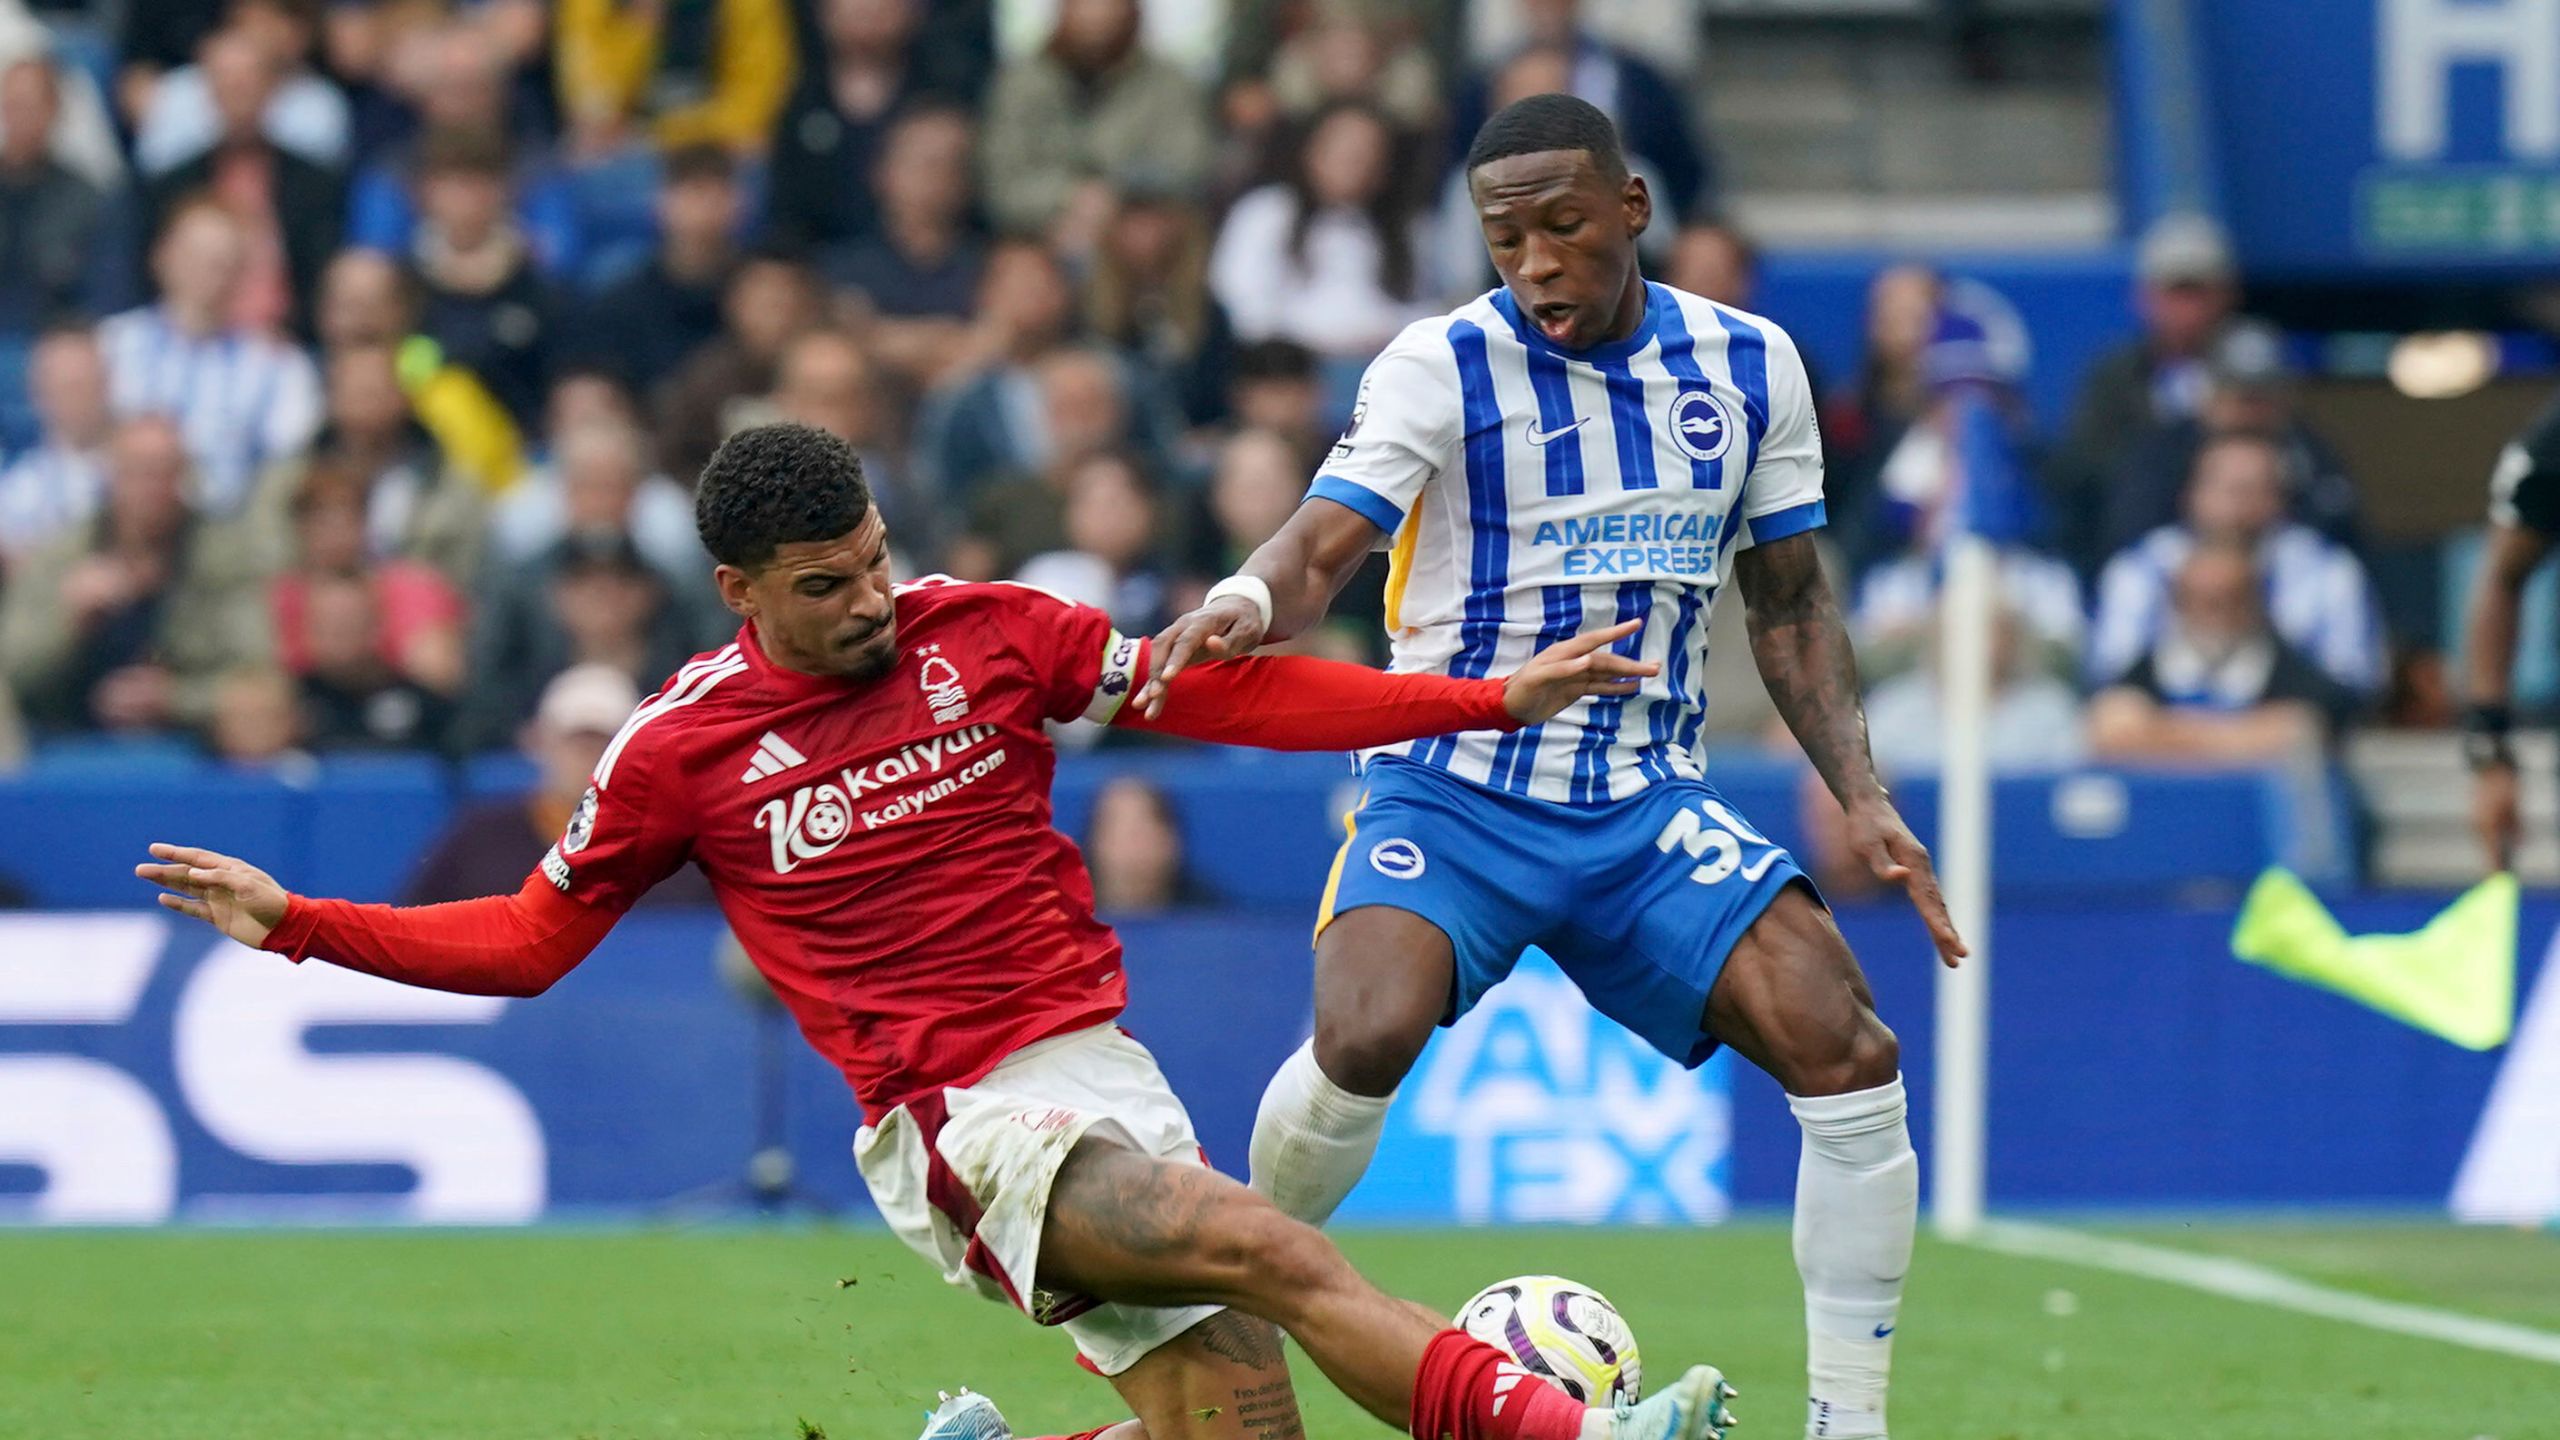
{"x":1866,"y":1056}
{"x":1368,"y":1049}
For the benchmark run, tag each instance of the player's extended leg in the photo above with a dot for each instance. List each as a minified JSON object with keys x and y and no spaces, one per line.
{"x":1222,"y":1379}
{"x":1793,"y":1001}
{"x":1128,"y":1228}
{"x":1382,"y":983}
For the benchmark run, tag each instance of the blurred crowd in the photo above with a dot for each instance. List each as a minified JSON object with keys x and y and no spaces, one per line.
{"x":356,"y":358}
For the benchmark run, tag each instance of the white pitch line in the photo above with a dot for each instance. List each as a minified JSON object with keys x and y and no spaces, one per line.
{"x":2243,"y":1280}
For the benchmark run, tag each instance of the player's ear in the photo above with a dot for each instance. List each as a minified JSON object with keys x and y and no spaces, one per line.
{"x":1639,"y":205}
{"x":737,"y":590}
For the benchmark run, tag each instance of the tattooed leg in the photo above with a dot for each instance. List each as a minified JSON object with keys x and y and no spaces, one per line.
{"x":1222,"y":1379}
{"x":1124,"y":1227}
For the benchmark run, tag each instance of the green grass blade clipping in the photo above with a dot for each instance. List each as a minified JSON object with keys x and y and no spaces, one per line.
{"x":2454,"y":978}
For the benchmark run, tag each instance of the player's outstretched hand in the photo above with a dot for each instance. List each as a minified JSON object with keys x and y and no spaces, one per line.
{"x":1571,"y":669}
{"x":1878,"y":836}
{"x":231,"y":895}
{"x":1225,"y":628}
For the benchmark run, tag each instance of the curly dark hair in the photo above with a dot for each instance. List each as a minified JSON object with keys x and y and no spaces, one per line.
{"x":1541,"y":123}
{"x":774,"y":485}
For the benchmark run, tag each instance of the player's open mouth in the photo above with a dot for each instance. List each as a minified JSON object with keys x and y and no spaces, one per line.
{"x":1555,"y":319}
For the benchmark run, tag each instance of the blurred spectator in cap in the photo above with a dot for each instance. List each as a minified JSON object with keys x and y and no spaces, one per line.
{"x":415,"y":507}
{"x":592,"y":598}
{"x":241,"y":399}
{"x":1067,"y":125}
{"x":2186,"y":287}
{"x":1148,"y":294}
{"x":879,"y":59}
{"x":353,"y":698}
{"x":653,"y":320}
{"x":916,"y":273}
{"x":771,"y":297}
{"x":125,"y":623}
{"x":490,"y":846}
{"x":2249,"y":390}
{"x":712,"y":72}
{"x":2318,"y":596}
{"x":1652,"y":116}
{"x":482,"y":298}
{"x":55,"y":486}
{"x":1964,"y":461}
{"x":1134,"y":849}
{"x":1113,"y":558}
{"x":2218,"y":685}
{"x":455,"y":74}
{"x":58,"y":250}
{"x":291,"y":209}
{"x":418,"y":613}
{"x":198,"y":106}
{"x":1329,"y":257}
{"x":597,"y":473}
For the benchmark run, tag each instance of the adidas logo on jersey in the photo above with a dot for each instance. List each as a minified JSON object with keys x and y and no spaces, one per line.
{"x":773,"y":756}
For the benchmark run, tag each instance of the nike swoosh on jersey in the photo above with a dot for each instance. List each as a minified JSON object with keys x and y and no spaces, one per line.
{"x":1541,"y":437}
{"x":1752,"y":872}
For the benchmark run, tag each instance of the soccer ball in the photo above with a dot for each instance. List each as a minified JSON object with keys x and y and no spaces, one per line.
{"x":1564,"y":1331}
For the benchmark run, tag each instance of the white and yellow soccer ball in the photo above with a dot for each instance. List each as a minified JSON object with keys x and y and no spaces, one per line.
{"x":1562,"y":1331}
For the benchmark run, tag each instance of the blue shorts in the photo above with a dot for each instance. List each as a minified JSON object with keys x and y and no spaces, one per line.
{"x":1639,"y":901}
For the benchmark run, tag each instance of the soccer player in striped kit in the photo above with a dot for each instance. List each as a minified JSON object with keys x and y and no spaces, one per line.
{"x":1574,"y":447}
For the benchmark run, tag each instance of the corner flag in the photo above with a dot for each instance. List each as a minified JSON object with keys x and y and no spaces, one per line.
{"x":2454,"y":978}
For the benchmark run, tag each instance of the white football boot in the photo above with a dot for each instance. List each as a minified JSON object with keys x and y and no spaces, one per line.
{"x":1693,"y":1408}
{"x":966,"y":1416}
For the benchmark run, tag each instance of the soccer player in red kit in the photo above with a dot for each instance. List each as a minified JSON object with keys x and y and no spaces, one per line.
{"x":864,"y":777}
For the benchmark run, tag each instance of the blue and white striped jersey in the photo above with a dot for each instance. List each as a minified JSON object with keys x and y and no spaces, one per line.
{"x":242,"y":401}
{"x":1533,"y":492}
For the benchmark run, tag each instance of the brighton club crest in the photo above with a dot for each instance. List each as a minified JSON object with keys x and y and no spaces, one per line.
{"x":1701,"y":424}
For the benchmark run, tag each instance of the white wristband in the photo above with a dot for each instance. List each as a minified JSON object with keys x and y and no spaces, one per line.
{"x":1244,"y":587}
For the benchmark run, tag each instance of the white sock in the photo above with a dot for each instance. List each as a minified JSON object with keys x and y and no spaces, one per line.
{"x":1857,"y":1201}
{"x":1312,"y":1139}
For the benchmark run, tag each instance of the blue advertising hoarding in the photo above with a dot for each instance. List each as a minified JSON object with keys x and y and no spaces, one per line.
{"x":149,"y":1072}
{"x":2352,"y":135}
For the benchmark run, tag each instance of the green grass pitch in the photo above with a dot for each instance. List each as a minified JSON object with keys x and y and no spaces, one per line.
{"x":556,"y":1334}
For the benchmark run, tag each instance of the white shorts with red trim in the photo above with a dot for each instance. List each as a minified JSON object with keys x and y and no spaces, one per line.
{"x":963,"y":1176}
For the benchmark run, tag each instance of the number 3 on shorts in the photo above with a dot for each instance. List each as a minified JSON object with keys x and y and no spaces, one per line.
{"x":1716,"y":848}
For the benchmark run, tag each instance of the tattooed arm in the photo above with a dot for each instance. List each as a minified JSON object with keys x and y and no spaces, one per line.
{"x":1802,"y":647}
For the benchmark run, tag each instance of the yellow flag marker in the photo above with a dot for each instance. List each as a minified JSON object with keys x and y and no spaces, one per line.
{"x":2454,"y":978}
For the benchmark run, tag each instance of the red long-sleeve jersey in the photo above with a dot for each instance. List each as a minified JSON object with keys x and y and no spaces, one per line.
{"x":882,"y":848}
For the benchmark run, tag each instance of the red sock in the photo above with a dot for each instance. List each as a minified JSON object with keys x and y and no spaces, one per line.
{"x":1468,"y":1390}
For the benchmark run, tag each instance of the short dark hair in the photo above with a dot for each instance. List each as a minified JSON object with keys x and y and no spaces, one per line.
{"x":701,"y":160}
{"x":1540,"y":123}
{"x":774,"y":485}
{"x":464,"y":150}
{"x":1272,"y":360}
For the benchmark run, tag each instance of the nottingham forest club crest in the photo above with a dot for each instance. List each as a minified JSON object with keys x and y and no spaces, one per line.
{"x":1701,"y":424}
{"x":943,"y":692}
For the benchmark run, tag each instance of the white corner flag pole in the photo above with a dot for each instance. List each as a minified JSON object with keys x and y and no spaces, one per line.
{"x":1964,"y":872}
